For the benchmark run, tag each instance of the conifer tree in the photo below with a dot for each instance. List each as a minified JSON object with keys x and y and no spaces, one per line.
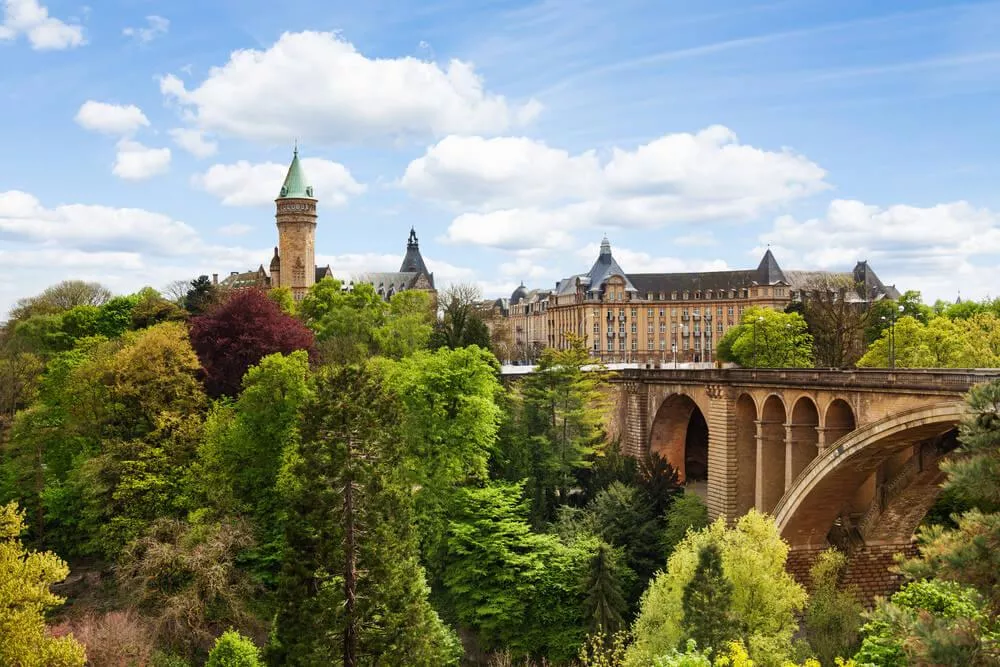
{"x":352,"y":591}
{"x":707,"y":602}
{"x":605,"y":605}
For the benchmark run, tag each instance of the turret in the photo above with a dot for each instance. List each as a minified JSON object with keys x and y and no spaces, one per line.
{"x":295,"y":216}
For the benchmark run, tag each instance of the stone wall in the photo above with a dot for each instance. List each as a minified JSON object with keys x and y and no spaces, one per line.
{"x":869,"y":568}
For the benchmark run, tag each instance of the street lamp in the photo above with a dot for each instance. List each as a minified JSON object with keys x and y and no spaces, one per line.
{"x":673,"y":350}
{"x":757,"y":321}
{"x":788,"y":343}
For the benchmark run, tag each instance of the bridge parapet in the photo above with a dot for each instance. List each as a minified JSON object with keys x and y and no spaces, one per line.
{"x":943,"y":380}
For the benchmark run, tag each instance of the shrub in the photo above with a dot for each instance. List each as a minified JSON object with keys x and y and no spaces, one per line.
{"x":833,"y":617}
{"x":114,"y":639}
{"x":234,"y":650}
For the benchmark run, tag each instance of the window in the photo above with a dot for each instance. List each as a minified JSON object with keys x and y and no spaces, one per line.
{"x":662,"y":311}
{"x":634,"y":345}
{"x":685,"y":295}
{"x":649,"y":312}
{"x":635,"y":312}
{"x":673,"y":296}
{"x":697,"y":311}
{"x":663,"y":344}
{"x":649,"y":344}
{"x":663,"y":327}
{"x":673,"y":313}
{"x":635,"y":328}
{"x":730,"y":311}
{"x":718,"y":311}
{"x":621,"y":345}
{"x":611,"y":346}
{"x":649,"y":328}
{"x":718,"y":327}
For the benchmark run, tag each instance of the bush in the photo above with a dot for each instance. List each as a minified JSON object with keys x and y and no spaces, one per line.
{"x":113,"y":639}
{"x":234,"y":650}
{"x":688,"y":512}
{"x":833,"y":617}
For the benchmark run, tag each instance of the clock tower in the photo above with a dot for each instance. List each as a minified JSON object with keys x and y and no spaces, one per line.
{"x":294,"y":265}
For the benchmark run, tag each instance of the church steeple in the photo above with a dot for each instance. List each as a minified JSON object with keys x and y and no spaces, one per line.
{"x":413,"y":262}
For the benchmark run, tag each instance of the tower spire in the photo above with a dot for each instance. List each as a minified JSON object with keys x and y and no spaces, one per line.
{"x":295,"y":185}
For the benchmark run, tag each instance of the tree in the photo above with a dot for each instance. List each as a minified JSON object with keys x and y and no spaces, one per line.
{"x":884,"y":311}
{"x":238,"y":333}
{"x":151,"y":309}
{"x":622,"y":516}
{"x":344,"y":321}
{"x":930,"y":623}
{"x":351,"y":586}
{"x":768,"y":338}
{"x":184,"y":576}
{"x":408,"y":324}
{"x":687,"y":513}
{"x":562,"y":413}
{"x":284,"y":298}
{"x":605,"y":606}
{"x":25,"y":579}
{"x":837,"y":314}
{"x":973,"y":342}
{"x":176,"y":291}
{"x":707,"y":602}
{"x":463,"y":321}
{"x":833,"y":615}
{"x":234,"y":650}
{"x":201,"y":295}
{"x":61,"y":297}
{"x":765,"y":597}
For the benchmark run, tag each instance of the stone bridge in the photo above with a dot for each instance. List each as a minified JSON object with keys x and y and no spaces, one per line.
{"x":848,"y":458}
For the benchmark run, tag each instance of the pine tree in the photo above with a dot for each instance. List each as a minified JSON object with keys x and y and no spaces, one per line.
{"x":351,"y":589}
{"x":605,"y":606}
{"x":707,"y":602}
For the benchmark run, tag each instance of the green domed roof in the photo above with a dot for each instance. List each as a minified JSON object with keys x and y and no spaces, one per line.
{"x":295,"y":181}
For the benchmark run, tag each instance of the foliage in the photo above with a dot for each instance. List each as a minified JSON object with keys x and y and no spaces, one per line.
{"x":112,"y":639}
{"x":605,"y":607}
{"x":707,"y":602}
{"x":25,"y":596}
{"x":234,"y":650}
{"x":599,"y":650}
{"x":974,"y":471}
{"x":765,"y":597}
{"x":623,"y":516}
{"x":942,"y":342}
{"x":284,"y":298}
{"x":61,"y":297}
{"x":833,"y":614}
{"x":929,"y":622}
{"x":184,"y":575}
{"x":151,"y":309}
{"x":837,"y":322}
{"x":201,"y":295}
{"x":884,"y":311}
{"x":351,"y":583}
{"x":659,"y":481}
{"x":562,"y":420}
{"x":768,"y":338}
{"x":688,"y":513}
{"x":238,"y":333}
{"x":463,"y":322}
{"x":352,"y":325}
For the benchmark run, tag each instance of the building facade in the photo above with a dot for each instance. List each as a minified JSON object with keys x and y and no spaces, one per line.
{"x":294,"y":262}
{"x":659,"y":318}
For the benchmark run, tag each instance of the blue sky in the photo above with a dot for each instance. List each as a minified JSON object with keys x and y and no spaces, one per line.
{"x":144,"y":141}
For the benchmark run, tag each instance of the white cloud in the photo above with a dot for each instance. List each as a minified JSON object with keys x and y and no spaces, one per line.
{"x":318,"y":87}
{"x":247,"y":184}
{"x":44,"y":33}
{"x":194,"y":142}
{"x":500,"y":172}
{"x":23,"y":218}
{"x":523,"y":268}
{"x":155,"y":26}
{"x":936,"y":246}
{"x":117,"y":119}
{"x":136,"y":162}
{"x":519,"y":189}
{"x":235,"y":229}
{"x":637,"y":261}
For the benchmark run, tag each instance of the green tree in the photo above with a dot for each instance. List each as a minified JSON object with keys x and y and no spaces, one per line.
{"x":201,"y":295}
{"x":152,"y":309}
{"x":283,"y":297}
{"x":605,"y":606}
{"x":622,"y":515}
{"x":25,"y":579}
{"x":61,"y":297}
{"x":463,"y":320}
{"x":765,"y":597}
{"x":768,"y":338}
{"x":707,"y":602}
{"x":351,"y":588}
{"x":687,"y":513}
{"x":234,"y":650}
{"x":345,"y":321}
{"x":115,"y":317}
{"x":833,"y":615}
{"x":408,"y":324}
{"x":930,"y":623}
{"x":562,"y":414}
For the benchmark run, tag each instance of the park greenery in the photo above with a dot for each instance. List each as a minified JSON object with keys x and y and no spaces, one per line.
{"x":239,"y":479}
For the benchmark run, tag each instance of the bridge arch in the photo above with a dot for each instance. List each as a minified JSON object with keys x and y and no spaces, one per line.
{"x":803,"y":438}
{"x":771,"y":452}
{"x":838,"y":421}
{"x":679,"y":434}
{"x":746,"y":453}
{"x":808,"y":511}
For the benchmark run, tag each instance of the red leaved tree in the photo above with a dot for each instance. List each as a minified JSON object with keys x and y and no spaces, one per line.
{"x":238,"y":333}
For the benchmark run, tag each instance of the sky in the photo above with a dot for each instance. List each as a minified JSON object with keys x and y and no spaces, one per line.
{"x":144,"y":141}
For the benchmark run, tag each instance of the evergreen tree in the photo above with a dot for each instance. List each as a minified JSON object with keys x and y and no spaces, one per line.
{"x":200,"y":296}
{"x":351,"y":589}
{"x":605,"y":606}
{"x":562,"y":412}
{"x":707,"y":601}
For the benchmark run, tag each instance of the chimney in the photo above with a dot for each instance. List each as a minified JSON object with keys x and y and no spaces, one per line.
{"x":215,"y":278}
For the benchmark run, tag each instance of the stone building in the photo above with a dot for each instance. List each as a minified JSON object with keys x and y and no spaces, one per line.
{"x":294,"y":262}
{"x":657,"y":318}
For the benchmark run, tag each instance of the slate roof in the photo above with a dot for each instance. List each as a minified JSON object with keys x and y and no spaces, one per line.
{"x":413,"y":262}
{"x":384,"y":282}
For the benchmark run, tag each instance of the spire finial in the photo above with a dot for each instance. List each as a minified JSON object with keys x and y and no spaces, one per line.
{"x":295,"y":151}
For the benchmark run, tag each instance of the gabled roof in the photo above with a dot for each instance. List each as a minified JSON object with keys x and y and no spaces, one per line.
{"x":295,"y":186}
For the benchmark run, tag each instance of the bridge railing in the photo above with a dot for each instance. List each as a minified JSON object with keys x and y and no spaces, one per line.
{"x":911,"y":378}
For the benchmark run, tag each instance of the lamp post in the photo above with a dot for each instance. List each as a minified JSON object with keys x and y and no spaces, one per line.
{"x":788,"y":343}
{"x":673,"y":350}
{"x":755,"y":323}
{"x":892,"y":337}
